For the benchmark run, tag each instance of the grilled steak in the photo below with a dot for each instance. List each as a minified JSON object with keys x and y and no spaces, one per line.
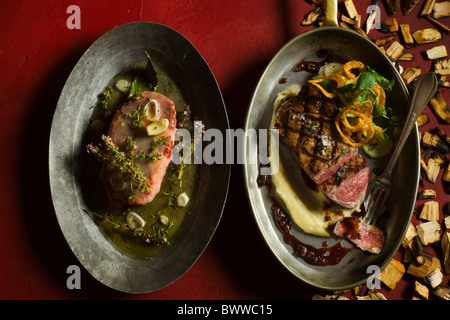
{"x":364,"y":236}
{"x":346,"y":185}
{"x":152,"y":153}
{"x":306,"y":125}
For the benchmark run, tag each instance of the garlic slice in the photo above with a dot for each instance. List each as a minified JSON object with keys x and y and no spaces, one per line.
{"x":182,"y":200}
{"x":135,"y":221}
{"x":157,"y":127}
{"x":153,"y":110}
{"x":164,"y":220}
{"x":123,"y":85}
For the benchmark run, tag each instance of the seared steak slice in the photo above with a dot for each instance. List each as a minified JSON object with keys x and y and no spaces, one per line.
{"x":346,"y":185}
{"x":306,"y":125}
{"x":364,"y":236}
{"x":152,"y":153}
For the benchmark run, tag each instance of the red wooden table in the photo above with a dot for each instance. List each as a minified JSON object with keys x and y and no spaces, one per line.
{"x":237,"y":38}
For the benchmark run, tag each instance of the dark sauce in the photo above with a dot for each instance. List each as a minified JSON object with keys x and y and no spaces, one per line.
{"x":312,"y":66}
{"x":282,"y":81}
{"x":325,"y":256}
{"x":264,"y":180}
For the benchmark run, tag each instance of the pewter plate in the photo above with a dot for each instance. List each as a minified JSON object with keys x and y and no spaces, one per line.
{"x":112,"y":53}
{"x":343,"y":45}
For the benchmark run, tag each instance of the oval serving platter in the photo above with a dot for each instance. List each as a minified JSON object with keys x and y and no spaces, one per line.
{"x":109,"y":55}
{"x":353,"y":269}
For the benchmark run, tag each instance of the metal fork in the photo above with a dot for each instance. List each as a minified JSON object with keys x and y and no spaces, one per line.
{"x":379,"y":188}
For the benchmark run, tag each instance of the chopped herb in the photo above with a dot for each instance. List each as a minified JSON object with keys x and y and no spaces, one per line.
{"x":104,"y":97}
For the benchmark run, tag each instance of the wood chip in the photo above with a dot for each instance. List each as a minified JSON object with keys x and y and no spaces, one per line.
{"x":395,"y":51}
{"x":421,"y":290}
{"x":427,"y":7}
{"x":312,"y":16}
{"x":411,"y":241}
{"x":433,"y":168}
{"x":445,"y":247}
{"x":370,"y":20}
{"x":442,"y":292}
{"x":358,"y":21}
{"x":442,"y":66}
{"x":440,"y":108}
{"x":444,"y":137}
{"x":423,"y":119}
{"x":442,"y":81}
{"x":406,"y":57}
{"x":389,"y":25}
{"x":329,"y":297}
{"x":406,"y":33}
{"x":372,"y":296}
{"x":361,"y":32}
{"x":446,"y":176}
{"x":427,"y":171}
{"x":430,"y":211}
{"x":441,"y":9}
{"x":430,"y":140}
{"x":428,"y":35}
{"x":410,"y":74}
{"x":438,"y":24}
{"x":434,"y":278}
{"x":410,"y":234}
{"x":426,"y":194}
{"x":447,"y":226}
{"x":347,"y":20}
{"x":429,"y":232}
{"x":437,"y":52}
{"x":439,"y":158}
{"x":392,"y":274}
{"x":393,"y":6}
{"x":384,"y":40}
{"x":350,"y":7}
{"x":421,"y":271}
{"x":409,"y":5}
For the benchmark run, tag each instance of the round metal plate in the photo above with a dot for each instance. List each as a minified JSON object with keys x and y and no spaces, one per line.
{"x":343,"y":45}
{"x":109,"y":55}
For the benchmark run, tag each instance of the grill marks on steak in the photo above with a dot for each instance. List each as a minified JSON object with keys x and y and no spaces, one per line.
{"x":123,"y":126}
{"x":306,"y":125}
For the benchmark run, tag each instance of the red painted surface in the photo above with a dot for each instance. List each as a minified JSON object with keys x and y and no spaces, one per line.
{"x":37,"y":53}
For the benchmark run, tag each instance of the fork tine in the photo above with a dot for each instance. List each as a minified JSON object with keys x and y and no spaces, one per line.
{"x":380,"y":209}
{"x":372,"y":201}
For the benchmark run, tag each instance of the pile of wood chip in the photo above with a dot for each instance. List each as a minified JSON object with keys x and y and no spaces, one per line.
{"x":430,"y":232}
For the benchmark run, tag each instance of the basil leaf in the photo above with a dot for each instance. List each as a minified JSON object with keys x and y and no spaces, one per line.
{"x":366,"y":81}
{"x":146,"y":80}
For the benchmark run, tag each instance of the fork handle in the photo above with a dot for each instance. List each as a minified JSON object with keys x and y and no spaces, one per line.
{"x":424,"y":90}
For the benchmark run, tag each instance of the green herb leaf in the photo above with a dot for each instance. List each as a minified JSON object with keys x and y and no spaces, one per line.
{"x":378,"y":112}
{"x":147,"y":80}
{"x":347,"y":88}
{"x":366,"y":81}
{"x":382,"y":81}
